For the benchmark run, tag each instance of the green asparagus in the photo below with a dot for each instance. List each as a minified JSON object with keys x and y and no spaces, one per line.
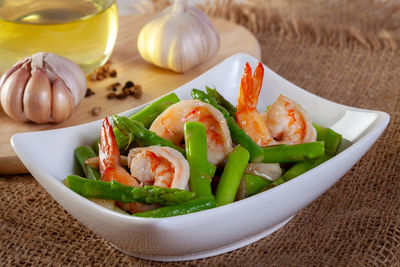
{"x":128,"y":194}
{"x":240,"y":137}
{"x":293,"y":153}
{"x":331,"y":141}
{"x":221,"y":101}
{"x":237,"y":134}
{"x":230,"y":179}
{"x":148,"y":114}
{"x":197,"y":204}
{"x":250,"y":185}
{"x":83,"y":153}
{"x":202,"y":96}
{"x":141,"y":135}
{"x":331,"y":138}
{"x":271,"y":185}
{"x":302,"y":167}
{"x":196,"y":155}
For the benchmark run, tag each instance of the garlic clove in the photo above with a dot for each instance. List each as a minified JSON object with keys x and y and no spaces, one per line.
{"x":12,"y":94}
{"x":37,"y":98}
{"x":62,"y":102}
{"x":21,"y":63}
{"x":72,"y":76}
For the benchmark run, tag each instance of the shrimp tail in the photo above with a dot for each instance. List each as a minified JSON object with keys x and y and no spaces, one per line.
{"x":247,"y":115}
{"x":250,"y":87}
{"x":109,"y":155}
{"x":258,"y":79}
{"x":110,"y":158}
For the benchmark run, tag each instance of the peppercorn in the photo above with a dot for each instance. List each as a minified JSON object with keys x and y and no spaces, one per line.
{"x":113,"y":73}
{"x":111,"y":95}
{"x":92,"y":77}
{"x":106,"y":68}
{"x":113,"y":86}
{"x":129,"y":84}
{"x":96,"y":111}
{"x":100,"y":76}
{"x":89,"y":92}
{"x":126,"y":91}
{"x":137,"y":91}
{"x":121,"y":96}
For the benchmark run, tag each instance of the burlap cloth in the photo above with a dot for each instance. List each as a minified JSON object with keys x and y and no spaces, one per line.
{"x":345,"y":51}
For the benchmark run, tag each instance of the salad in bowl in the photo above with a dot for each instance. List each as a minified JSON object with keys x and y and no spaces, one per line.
{"x":183,"y":156}
{"x":202,"y":170}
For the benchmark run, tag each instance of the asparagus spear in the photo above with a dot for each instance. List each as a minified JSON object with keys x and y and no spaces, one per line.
{"x":293,"y":153}
{"x":197,"y":204}
{"x":240,"y":137}
{"x":202,"y":96}
{"x":82,"y":153}
{"x":196,"y":155}
{"x":302,"y":167}
{"x":230,"y":179}
{"x":146,"y":116}
{"x":237,"y":134}
{"x":331,"y":138}
{"x":250,"y":185}
{"x":128,"y":194}
{"x":331,"y":141}
{"x":141,"y":135}
{"x":271,"y":185}
{"x":221,"y":101}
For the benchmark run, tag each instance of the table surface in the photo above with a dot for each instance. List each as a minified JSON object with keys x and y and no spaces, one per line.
{"x":347,"y":52}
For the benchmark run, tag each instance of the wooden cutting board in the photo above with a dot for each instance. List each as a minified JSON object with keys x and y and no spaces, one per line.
{"x":130,"y":66}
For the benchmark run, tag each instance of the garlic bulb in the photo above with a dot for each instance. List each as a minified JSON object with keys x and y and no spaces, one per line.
{"x":42,"y":88}
{"x":178,"y":38}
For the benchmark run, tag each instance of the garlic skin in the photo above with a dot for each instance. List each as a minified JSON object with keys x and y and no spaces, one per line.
{"x":178,"y":38}
{"x":42,"y":88}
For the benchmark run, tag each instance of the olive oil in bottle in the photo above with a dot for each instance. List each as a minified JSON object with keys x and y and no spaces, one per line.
{"x":81,"y":30}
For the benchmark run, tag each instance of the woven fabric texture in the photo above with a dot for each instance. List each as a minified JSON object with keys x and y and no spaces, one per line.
{"x":345,"y":51}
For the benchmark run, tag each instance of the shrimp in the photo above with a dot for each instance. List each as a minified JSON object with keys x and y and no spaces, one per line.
{"x":110,"y":158}
{"x":111,"y":169}
{"x":159,"y":166}
{"x":247,"y":115}
{"x":170,"y":125}
{"x":285,"y":122}
{"x":289,"y":123}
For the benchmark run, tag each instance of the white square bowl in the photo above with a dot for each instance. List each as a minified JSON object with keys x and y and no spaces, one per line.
{"x":49,"y":156}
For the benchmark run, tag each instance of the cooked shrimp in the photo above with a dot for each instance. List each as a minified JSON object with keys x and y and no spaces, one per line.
{"x":111,"y":169}
{"x":285,"y":122}
{"x":110,"y":158}
{"x":170,"y":124}
{"x":247,"y":115}
{"x":159,"y":166}
{"x":289,"y":123}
